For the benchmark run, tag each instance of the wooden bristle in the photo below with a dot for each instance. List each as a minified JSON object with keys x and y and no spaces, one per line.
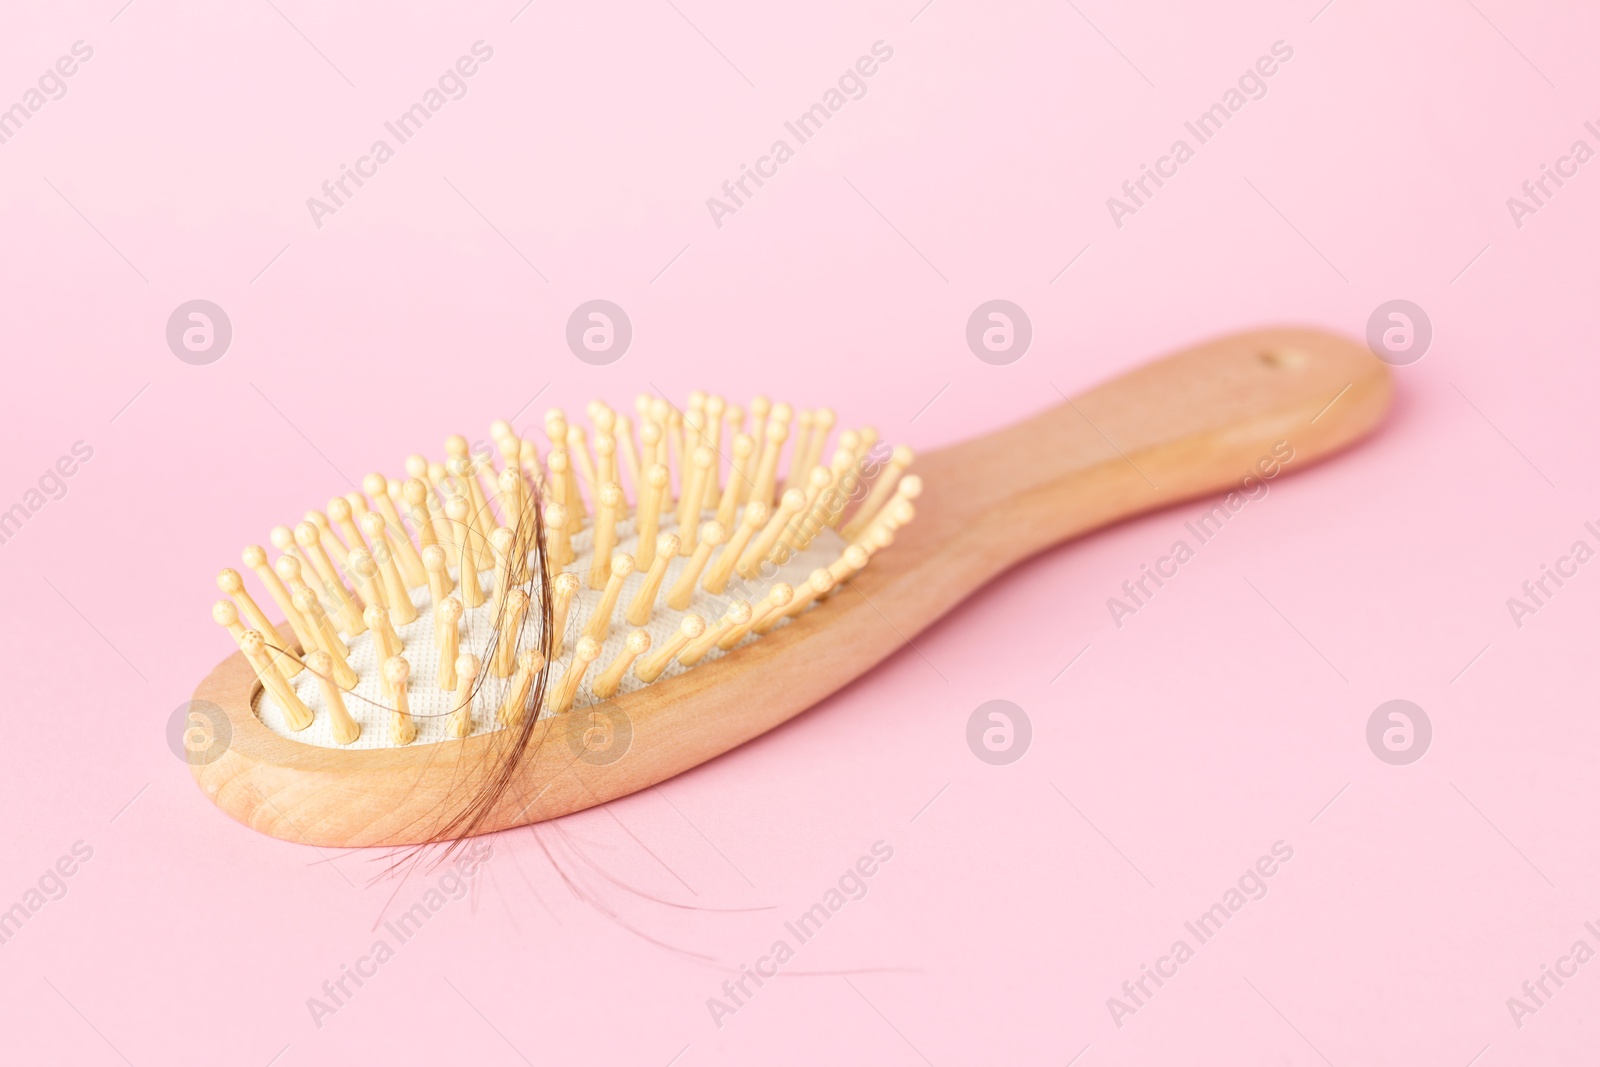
{"x":563,"y":587}
{"x":666,"y":548}
{"x":628,"y":450}
{"x":766,"y":476}
{"x":409,"y":561}
{"x":558,"y":543}
{"x":369,"y":582}
{"x":254,"y":645}
{"x":755,"y":517}
{"x":737,"y":615}
{"x":728,"y":504}
{"x":761,"y":548}
{"x":515,"y":705}
{"x":255,"y":557}
{"x":230,"y":582}
{"x":308,"y":537}
{"x":446,"y":623}
{"x":331,"y":545}
{"x":711,"y":535}
{"x":401,"y":610}
{"x":227,"y":616}
{"x":817,"y":585}
{"x":343,"y":522}
{"x":440,"y":584}
{"x":508,"y":630}
{"x":599,"y":626}
{"x":466,"y":669}
{"x":511,"y":497}
{"x":388,"y":642}
{"x":325,"y":638}
{"x":882,"y":488}
{"x":503,"y":540}
{"x":396,"y":671}
{"x":650,"y":499}
{"x":345,"y":729}
{"x":466,"y":557}
{"x":578,"y":454}
{"x":584,"y":653}
{"x":776,"y":603}
{"x":605,"y":534}
{"x":650,"y":669}
{"x":637,"y":644}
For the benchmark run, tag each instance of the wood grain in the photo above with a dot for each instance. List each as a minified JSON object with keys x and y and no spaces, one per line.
{"x":1188,"y":425}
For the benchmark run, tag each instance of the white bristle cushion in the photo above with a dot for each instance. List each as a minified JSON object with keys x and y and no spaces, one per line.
{"x":431,"y":706}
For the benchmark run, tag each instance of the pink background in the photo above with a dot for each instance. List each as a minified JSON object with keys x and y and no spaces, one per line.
{"x":1172,"y":753}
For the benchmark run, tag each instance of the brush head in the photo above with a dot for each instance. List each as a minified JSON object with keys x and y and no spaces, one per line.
{"x":481,"y":571}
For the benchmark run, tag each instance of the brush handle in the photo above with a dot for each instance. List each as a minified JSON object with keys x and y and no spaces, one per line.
{"x":1194,"y":423}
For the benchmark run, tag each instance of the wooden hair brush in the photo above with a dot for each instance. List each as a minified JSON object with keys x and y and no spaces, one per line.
{"x":506,"y":638}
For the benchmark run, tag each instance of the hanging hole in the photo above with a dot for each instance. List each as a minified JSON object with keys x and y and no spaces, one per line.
{"x":1282,"y":358}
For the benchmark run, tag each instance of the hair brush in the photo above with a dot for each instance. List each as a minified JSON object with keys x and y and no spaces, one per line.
{"x":507,"y":637}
